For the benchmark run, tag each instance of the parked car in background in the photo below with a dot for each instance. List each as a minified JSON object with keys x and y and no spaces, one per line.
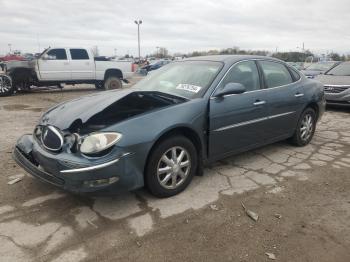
{"x":155,"y":65}
{"x":56,"y":66}
{"x":161,"y":132}
{"x":318,"y":68}
{"x":337,"y":84}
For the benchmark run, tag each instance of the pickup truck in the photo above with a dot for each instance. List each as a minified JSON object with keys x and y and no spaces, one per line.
{"x":56,"y":66}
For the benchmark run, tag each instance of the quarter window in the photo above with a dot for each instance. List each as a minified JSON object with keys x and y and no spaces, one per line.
{"x":57,"y":54}
{"x":276,"y":74}
{"x":79,"y":54}
{"x":245,"y":73}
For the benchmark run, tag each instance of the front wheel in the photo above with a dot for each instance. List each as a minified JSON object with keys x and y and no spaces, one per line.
{"x":171,"y":167}
{"x":306,"y":128}
{"x":6,"y":87}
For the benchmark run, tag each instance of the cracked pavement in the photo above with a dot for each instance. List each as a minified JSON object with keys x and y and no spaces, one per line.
{"x":41,"y":223}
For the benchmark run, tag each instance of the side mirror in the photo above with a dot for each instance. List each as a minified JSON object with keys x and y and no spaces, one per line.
{"x":231,"y":89}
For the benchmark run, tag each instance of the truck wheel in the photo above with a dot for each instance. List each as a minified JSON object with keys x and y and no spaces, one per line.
{"x":112,"y":82}
{"x":6,"y":87}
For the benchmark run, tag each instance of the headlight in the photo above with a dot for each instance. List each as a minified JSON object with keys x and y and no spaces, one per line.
{"x":98,"y":142}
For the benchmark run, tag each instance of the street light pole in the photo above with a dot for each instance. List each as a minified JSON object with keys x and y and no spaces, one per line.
{"x":138,"y":36}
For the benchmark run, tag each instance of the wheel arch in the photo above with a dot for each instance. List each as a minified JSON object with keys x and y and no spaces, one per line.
{"x":185,"y":131}
{"x":113,"y":72}
{"x":313,"y":105}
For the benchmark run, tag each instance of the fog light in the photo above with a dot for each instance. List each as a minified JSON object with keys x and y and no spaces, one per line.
{"x":101,"y":182}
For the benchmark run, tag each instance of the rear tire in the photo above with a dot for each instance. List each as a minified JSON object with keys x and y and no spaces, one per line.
{"x":6,"y":87}
{"x":112,"y":82}
{"x":306,"y":128}
{"x":171,"y":166}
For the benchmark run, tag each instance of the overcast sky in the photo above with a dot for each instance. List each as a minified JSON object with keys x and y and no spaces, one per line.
{"x":180,"y":26}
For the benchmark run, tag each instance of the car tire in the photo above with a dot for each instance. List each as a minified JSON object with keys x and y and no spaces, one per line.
{"x":306,"y":128}
{"x":170,"y":177}
{"x":6,"y":87}
{"x":112,"y":82}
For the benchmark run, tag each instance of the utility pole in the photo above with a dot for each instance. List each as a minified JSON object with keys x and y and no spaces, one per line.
{"x":10,"y":47}
{"x":157,"y":51}
{"x":138,"y":23}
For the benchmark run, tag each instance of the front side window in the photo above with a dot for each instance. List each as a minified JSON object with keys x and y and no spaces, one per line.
{"x":276,"y":74}
{"x":57,"y":54}
{"x":79,"y":54}
{"x":245,"y":73}
{"x":342,"y":69}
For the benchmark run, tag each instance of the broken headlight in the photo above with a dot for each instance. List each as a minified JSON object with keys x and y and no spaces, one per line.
{"x":98,"y":142}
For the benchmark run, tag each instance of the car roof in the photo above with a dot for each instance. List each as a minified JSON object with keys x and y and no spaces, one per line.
{"x":228,"y":58}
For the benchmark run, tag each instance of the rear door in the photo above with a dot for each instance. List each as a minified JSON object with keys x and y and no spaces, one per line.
{"x":54,"y":65}
{"x":82,"y":66}
{"x":238,"y":122}
{"x":285,"y":97}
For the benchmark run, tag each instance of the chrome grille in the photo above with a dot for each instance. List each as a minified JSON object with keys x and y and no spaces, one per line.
{"x":333,"y":89}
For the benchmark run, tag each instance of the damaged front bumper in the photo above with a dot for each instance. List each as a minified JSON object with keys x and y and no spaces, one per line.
{"x":115,"y":172}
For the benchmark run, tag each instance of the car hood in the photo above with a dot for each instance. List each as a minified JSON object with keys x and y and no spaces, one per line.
{"x":95,"y":112}
{"x":333,"y":80}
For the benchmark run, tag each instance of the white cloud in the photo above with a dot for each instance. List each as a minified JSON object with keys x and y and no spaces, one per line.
{"x":178,"y":25}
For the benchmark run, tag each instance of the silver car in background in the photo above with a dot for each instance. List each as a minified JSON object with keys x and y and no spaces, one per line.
{"x":336,"y":83}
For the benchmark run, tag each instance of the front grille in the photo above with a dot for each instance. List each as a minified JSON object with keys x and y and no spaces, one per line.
{"x":335,"y":89}
{"x":51,"y":138}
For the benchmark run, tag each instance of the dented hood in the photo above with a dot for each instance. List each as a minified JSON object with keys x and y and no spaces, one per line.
{"x":97,"y":111}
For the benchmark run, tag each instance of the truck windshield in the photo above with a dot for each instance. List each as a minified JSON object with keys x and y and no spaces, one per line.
{"x":189,"y":79}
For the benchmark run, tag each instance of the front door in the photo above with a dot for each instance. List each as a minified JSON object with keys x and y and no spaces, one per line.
{"x":54,"y":66}
{"x":238,"y":122}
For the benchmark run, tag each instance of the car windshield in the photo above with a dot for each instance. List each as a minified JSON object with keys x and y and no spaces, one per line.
{"x":189,"y":79}
{"x":340,"y":70}
{"x":320,"y":66}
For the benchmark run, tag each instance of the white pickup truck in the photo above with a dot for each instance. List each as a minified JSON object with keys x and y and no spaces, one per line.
{"x":56,"y":66}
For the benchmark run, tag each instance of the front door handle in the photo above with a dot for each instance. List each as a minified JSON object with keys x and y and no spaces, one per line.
{"x":259,"y":103}
{"x":66,"y":63}
{"x":299,"y":95}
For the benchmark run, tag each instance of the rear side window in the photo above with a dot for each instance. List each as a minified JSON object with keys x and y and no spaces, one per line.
{"x":79,"y":54}
{"x":245,"y":73}
{"x":275,"y":74}
{"x":57,"y":54}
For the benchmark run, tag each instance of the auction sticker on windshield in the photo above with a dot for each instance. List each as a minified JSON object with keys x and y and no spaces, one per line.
{"x":188,"y":87}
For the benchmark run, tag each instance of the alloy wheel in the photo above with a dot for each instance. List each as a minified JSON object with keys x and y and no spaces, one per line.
{"x":173,"y":167}
{"x":306,"y":127}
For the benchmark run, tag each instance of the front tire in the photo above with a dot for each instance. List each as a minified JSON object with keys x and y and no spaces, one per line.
{"x":112,"y":82}
{"x":171,"y":166}
{"x":6,"y":87}
{"x":306,"y":128}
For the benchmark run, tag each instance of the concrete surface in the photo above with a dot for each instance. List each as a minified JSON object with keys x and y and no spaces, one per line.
{"x":300,"y":194}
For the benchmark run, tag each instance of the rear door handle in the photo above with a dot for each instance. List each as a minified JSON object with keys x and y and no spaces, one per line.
{"x":299,"y":95}
{"x":66,"y":63}
{"x":259,"y":103}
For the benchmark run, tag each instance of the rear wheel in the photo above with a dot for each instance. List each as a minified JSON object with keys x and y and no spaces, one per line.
{"x":6,"y":87}
{"x":171,"y":167}
{"x":306,"y":128}
{"x":112,"y":82}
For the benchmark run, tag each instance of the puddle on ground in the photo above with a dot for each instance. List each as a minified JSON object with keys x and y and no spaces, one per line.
{"x":18,"y":107}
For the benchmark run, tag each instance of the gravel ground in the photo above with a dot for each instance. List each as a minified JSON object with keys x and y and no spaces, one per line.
{"x":300,"y":194}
